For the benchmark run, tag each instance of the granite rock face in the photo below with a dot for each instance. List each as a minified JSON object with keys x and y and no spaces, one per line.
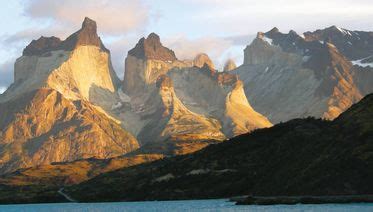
{"x":42,"y":127}
{"x":78,"y":67}
{"x":152,"y":48}
{"x":56,"y":109}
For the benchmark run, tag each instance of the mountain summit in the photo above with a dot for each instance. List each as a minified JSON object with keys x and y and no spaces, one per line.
{"x":152,"y":48}
{"x":86,"y":36}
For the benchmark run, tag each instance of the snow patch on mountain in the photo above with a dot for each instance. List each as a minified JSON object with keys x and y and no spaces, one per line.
{"x":361,"y":62}
{"x":268,"y":40}
{"x":2,"y":90}
{"x":344,"y":31}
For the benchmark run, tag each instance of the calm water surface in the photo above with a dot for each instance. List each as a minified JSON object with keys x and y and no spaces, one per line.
{"x":190,"y":205}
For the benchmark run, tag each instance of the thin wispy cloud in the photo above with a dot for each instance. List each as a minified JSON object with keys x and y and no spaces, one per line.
{"x":115,"y":17}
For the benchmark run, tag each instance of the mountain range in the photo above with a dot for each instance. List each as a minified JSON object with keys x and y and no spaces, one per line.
{"x":66,"y":102}
{"x":288,"y":76}
{"x":69,"y":121}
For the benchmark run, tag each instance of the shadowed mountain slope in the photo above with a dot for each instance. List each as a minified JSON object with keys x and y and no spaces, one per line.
{"x":305,"y":156}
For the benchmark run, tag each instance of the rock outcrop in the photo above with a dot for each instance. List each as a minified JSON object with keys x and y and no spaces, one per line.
{"x":78,"y":67}
{"x":171,"y":120}
{"x":201,"y":59}
{"x":151,"y":48}
{"x":148,"y":60}
{"x":287,"y":76}
{"x":55,"y":109}
{"x":354,"y":45}
{"x":218,"y":95}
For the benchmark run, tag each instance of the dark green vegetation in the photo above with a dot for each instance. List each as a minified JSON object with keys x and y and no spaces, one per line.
{"x":299,"y":157}
{"x":29,"y":194}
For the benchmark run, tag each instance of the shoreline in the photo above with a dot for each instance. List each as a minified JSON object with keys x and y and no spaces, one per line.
{"x":291,"y":200}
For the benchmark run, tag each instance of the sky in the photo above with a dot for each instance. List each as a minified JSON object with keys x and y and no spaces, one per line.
{"x":221,"y":29}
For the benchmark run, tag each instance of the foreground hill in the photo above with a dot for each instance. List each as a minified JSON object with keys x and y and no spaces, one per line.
{"x":299,"y":157}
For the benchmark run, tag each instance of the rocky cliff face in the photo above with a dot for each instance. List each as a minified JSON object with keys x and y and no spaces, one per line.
{"x":201,"y":104}
{"x":54,"y":110}
{"x":171,"y":120}
{"x":218,"y":95}
{"x":42,"y":126}
{"x":287,"y":76}
{"x":148,"y":60}
{"x":356,"y":46}
{"x":78,"y":67}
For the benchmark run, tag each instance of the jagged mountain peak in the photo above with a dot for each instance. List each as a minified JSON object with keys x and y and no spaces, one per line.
{"x":89,"y":24}
{"x":274,"y":30}
{"x":78,"y":67}
{"x":86,"y":36}
{"x":152,"y":48}
{"x":202,"y":59}
{"x":319,"y":64}
{"x":42,"y":45}
{"x":153,"y":37}
{"x":229,"y":65}
{"x":355,"y":45}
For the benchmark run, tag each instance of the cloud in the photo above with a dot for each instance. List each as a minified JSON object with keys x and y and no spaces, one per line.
{"x":219,"y":49}
{"x":249,"y":16}
{"x":114,"y":17}
{"x":186,"y":48}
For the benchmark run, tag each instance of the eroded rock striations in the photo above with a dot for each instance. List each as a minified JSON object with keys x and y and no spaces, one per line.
{"x":78,"y":67}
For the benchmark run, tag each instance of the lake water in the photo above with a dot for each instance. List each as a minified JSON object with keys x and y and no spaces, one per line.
{"x":190,"y":205}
